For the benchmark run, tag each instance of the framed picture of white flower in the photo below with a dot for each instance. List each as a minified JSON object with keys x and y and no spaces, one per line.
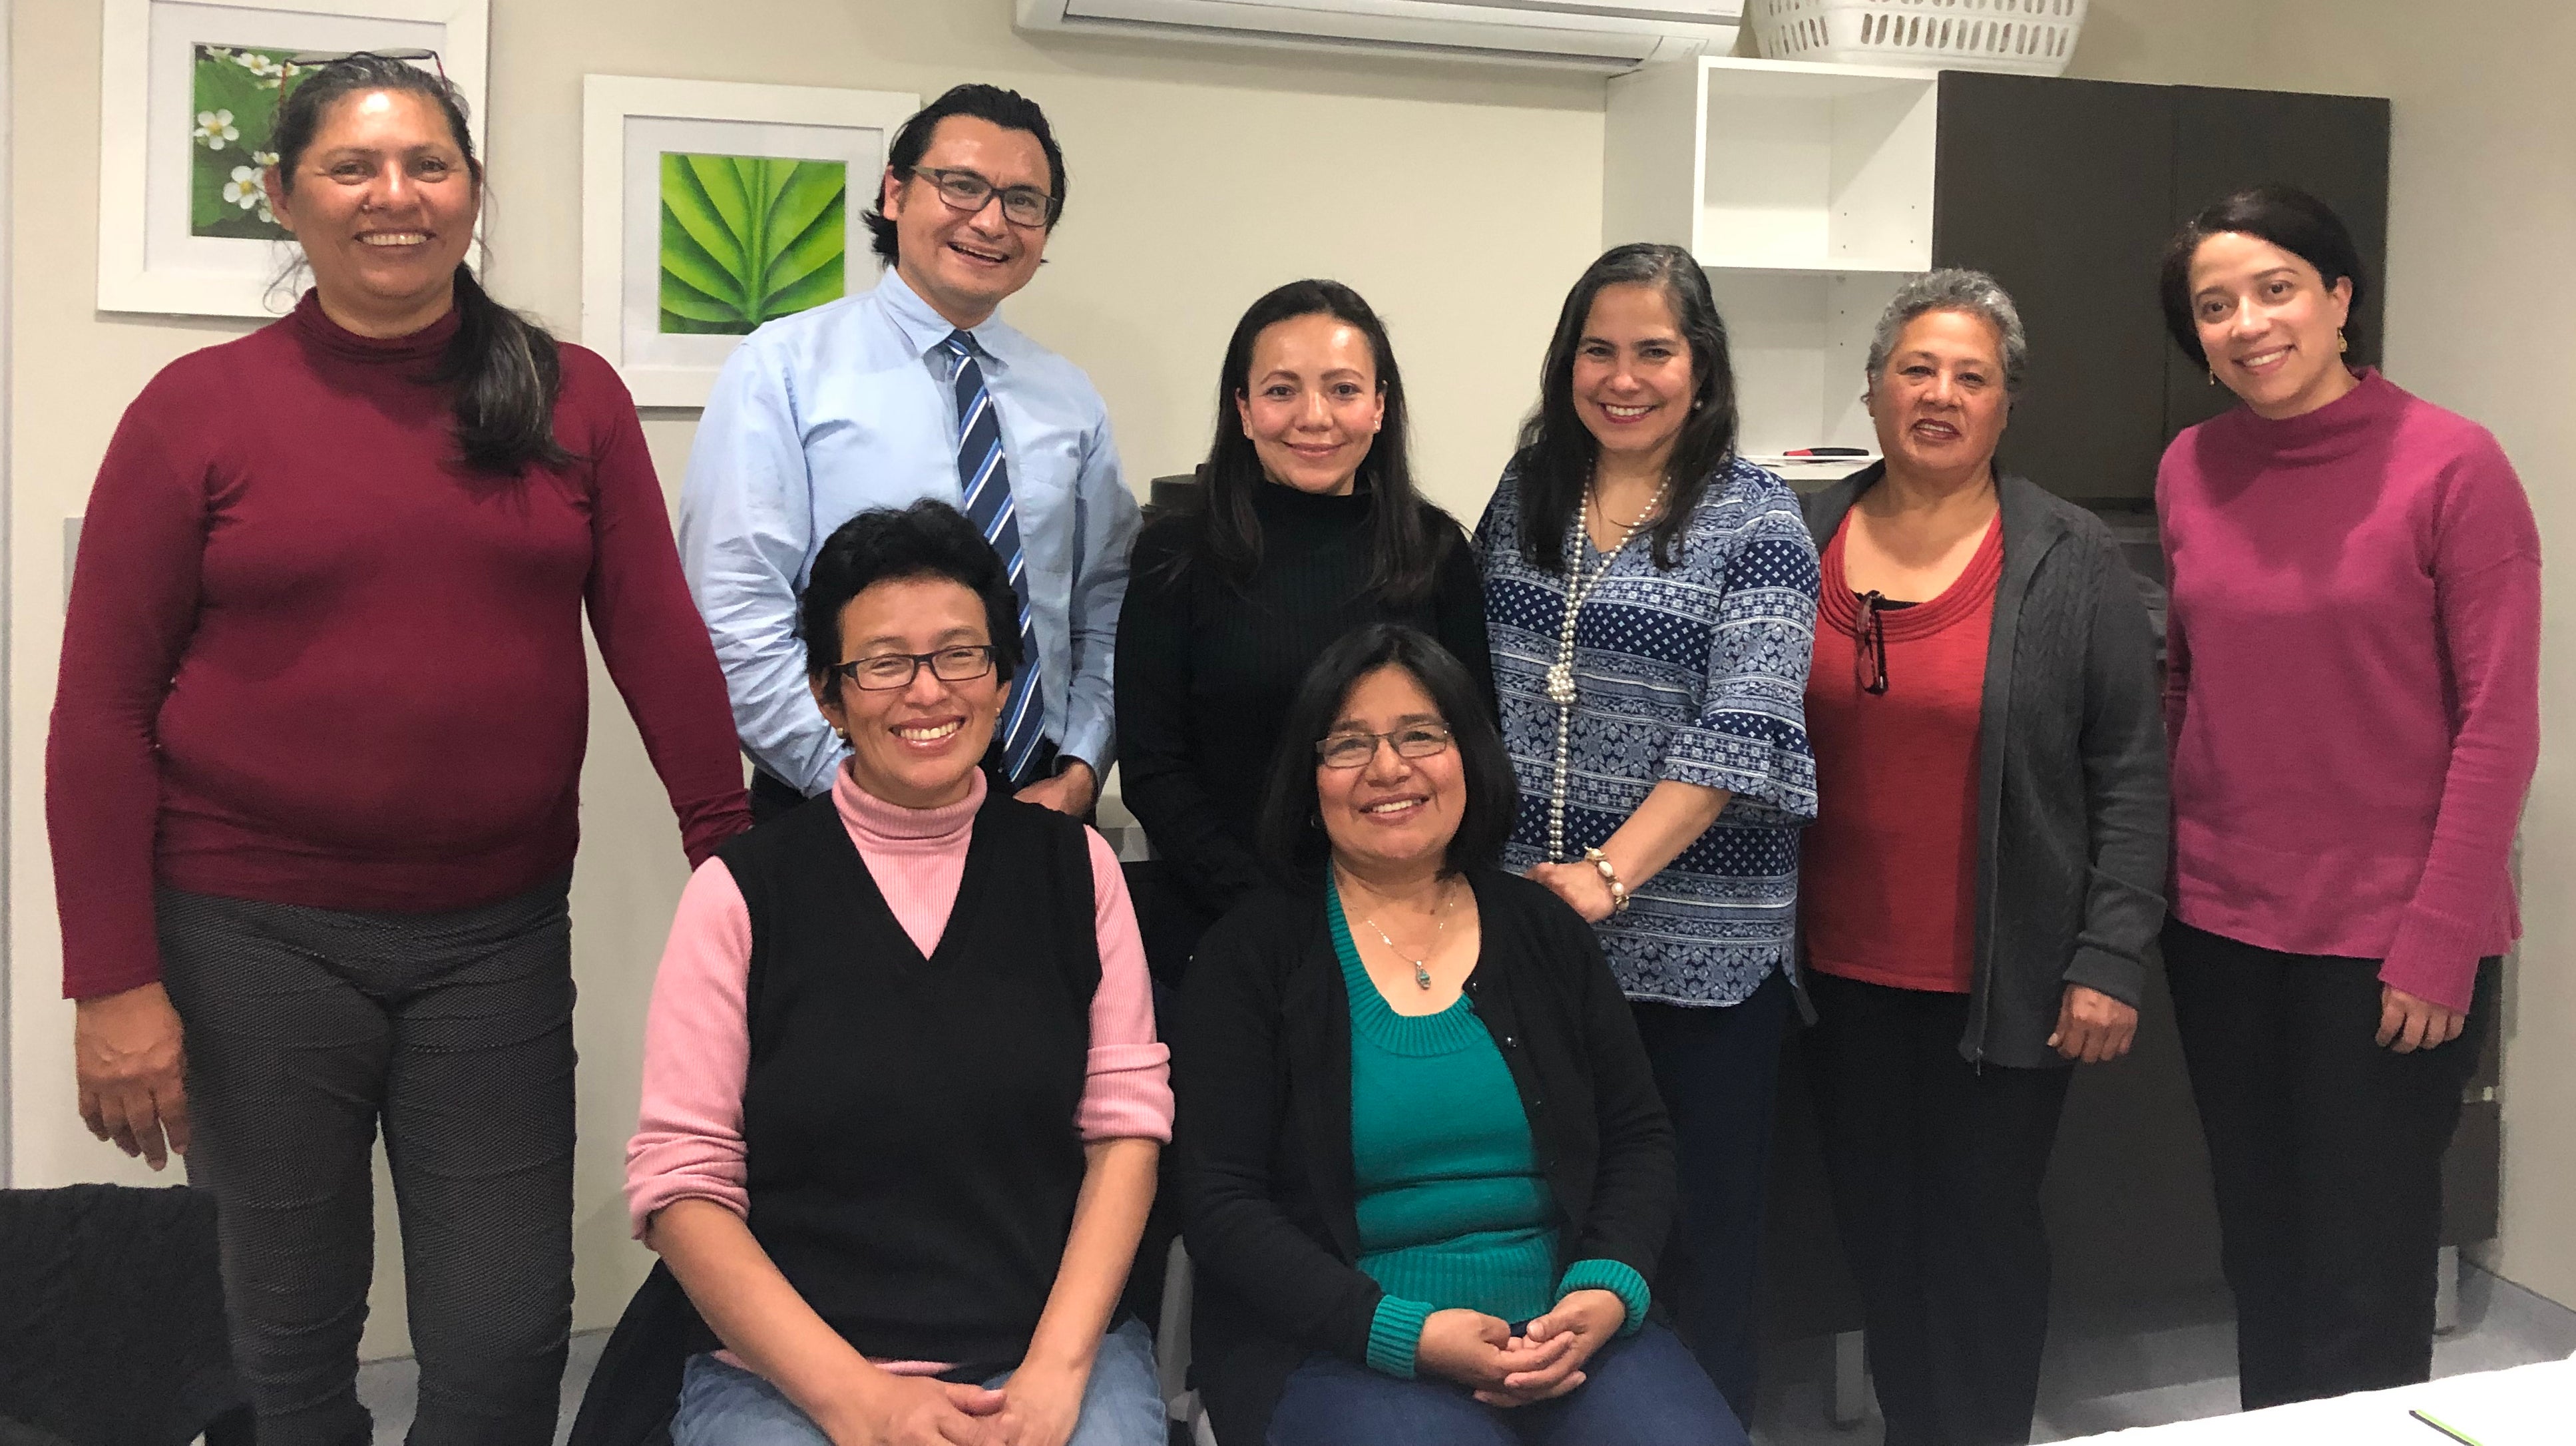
{"x":709,"y":207}
{"x":191,"y":91}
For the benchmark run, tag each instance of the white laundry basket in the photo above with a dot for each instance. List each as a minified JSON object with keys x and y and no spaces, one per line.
{"x":2029,"y":37}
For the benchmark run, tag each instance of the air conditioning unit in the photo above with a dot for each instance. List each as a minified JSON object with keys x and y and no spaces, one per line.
{"x":1603,"y":35}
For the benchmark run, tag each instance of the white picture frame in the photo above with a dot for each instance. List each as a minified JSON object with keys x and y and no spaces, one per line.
{"x":149,"y":257}
{"x":628,"y":123}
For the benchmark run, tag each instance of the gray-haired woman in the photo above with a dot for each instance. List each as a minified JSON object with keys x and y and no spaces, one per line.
{"x":1985,"y":870}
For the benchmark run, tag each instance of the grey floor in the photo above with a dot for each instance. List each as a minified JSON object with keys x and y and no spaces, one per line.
{"x":2103,"y":1375}
{"x":2177,"y":1364}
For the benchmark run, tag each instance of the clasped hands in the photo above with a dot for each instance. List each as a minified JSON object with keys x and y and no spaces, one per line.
{"x":1035,"y":1407}
{"x":1480,"y":1352}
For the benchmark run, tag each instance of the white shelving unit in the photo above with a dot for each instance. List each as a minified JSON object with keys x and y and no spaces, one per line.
{"x":1806,"y":191}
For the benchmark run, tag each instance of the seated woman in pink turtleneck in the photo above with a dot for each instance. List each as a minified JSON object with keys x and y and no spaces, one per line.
{"x":902,"y":1095}
{"x":2354,"y":705}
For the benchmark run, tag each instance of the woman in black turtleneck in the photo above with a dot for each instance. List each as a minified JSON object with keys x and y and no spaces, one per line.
{"x":1309,"y":528}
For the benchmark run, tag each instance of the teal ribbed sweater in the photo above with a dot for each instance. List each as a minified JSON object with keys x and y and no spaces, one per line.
{"x":1453,"y":1211}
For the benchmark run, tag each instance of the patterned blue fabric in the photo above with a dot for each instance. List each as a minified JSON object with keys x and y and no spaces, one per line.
{"x":986,"y":475}
{"x":1697,"y":674}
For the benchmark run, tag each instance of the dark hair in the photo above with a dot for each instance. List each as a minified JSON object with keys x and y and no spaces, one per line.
{"x":1557,"y":451}
{"x":1291,"y":833}
{"x":2283,"y":215}
{"x":1008,"y":109}
{"x":1409,"y":537}
{"x":885,"y":544}
{"x":502,"y":366}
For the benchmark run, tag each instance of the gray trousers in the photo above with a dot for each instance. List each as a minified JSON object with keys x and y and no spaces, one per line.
{"x":304,"y":1028}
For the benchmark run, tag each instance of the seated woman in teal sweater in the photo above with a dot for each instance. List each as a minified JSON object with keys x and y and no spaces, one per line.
{"x":1425,"y":1169}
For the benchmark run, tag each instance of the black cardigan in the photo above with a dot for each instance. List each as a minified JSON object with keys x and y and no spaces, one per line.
{"x":2072,"y":815}
{"x":1206,"y":672}
{"x":1262,"y":1067}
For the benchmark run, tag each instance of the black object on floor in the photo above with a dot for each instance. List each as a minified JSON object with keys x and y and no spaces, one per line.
{"x":635,"y":1389}
{"x":115,"y":1332}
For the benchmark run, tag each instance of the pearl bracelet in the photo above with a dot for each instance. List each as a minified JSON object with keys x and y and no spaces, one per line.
{"x":1610,"y":876}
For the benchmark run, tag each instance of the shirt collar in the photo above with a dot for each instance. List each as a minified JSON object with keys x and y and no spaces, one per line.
{"x":925,"y":331}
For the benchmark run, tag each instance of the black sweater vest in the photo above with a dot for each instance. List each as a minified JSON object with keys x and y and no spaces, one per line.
{"x":912,"y":1149}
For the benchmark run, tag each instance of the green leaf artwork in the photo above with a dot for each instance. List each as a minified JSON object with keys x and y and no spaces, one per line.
{"x":234,"y":93}
{"x":749,"y":238}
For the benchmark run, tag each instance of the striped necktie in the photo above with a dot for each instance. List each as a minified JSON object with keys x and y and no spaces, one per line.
{"x":986,"y":479}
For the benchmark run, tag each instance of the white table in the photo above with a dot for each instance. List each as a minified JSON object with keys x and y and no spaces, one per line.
{"x":2527,"y":1406}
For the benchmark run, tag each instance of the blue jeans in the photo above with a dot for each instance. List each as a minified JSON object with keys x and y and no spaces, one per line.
{"x":1643,"y":1391}
{"x":723,"y":1405}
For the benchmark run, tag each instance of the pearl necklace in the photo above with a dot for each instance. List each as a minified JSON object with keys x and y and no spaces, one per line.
{"x":1560,"y":675}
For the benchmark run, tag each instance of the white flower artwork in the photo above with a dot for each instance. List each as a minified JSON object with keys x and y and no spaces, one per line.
{"x":215,"y":127}
{"x":188,"y":101}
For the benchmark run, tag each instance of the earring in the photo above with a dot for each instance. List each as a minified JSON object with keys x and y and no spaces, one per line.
{"x":2342,"y":344}
{"x":2213,"y":376}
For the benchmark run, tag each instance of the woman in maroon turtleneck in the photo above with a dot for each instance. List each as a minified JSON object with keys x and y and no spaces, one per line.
{"x":312,"y":777}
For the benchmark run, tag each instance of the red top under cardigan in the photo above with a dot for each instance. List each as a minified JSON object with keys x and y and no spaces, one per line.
{"x":1886,"y":889}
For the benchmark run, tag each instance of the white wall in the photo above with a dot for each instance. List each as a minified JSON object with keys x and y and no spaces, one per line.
{"x":2482,"y":219}
{"x":1462,"y":202}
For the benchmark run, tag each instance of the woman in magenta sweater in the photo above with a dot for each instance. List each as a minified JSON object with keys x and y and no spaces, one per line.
{"x":2353,"y":701}
{"x":312,"y":776}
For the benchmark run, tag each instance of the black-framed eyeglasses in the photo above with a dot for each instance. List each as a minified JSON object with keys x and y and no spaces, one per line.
{"x":1354,"y":750}
{"x":884,"y":672}
{"x":1869,"y":655}
{"x":968,"y":192}
{"x":315,"y":59}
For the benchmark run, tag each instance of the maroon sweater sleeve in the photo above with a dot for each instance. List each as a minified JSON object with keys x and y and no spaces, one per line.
{"x":649,"y":632}
{"x":133,"y":606}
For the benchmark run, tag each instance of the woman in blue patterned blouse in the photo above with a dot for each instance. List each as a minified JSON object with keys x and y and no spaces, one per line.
{"x":1652,"y":603}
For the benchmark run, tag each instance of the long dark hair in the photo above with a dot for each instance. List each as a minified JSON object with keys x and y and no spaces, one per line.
{"x":1408,"y":536}
{"x":501,"y":366}
{"x":1290,"y":833}
{"x":1557,"y":451}
{"x":2288,"y":218}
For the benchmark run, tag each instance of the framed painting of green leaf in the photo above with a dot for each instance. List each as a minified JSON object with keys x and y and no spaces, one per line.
{"x":710,"y":209}
{"x":189,"y":94}
{"x":748,"y":239}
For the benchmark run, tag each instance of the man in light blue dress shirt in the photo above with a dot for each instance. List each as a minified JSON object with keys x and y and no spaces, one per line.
{"x":854,"y":405}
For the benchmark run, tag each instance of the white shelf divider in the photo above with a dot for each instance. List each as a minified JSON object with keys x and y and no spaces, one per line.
{"x":1806,"y":191}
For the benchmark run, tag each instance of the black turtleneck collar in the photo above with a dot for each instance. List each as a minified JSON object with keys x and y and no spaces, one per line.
{"x":1286,"y":512}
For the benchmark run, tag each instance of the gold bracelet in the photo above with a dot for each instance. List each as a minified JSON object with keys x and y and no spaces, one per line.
{"x":1610,"y":876}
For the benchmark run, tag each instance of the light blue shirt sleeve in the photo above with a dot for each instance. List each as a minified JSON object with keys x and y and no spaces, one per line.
{"x":746,"y":539}
{"x":1107,"y":518}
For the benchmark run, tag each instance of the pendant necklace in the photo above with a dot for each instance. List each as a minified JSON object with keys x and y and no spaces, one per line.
{"x":1421,"y":966}
{"x":1579,"y":588}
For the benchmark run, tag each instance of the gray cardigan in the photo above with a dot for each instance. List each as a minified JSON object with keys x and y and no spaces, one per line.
{"x":2072,"y":815}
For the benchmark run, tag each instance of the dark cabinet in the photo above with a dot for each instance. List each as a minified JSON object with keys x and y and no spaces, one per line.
{"x":2335,"y":147}
{"x":2068,"y":191}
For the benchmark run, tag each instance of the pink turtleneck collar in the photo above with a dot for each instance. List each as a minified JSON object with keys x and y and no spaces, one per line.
{"x":874,"y":823}
{"x":2331,"y":432}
